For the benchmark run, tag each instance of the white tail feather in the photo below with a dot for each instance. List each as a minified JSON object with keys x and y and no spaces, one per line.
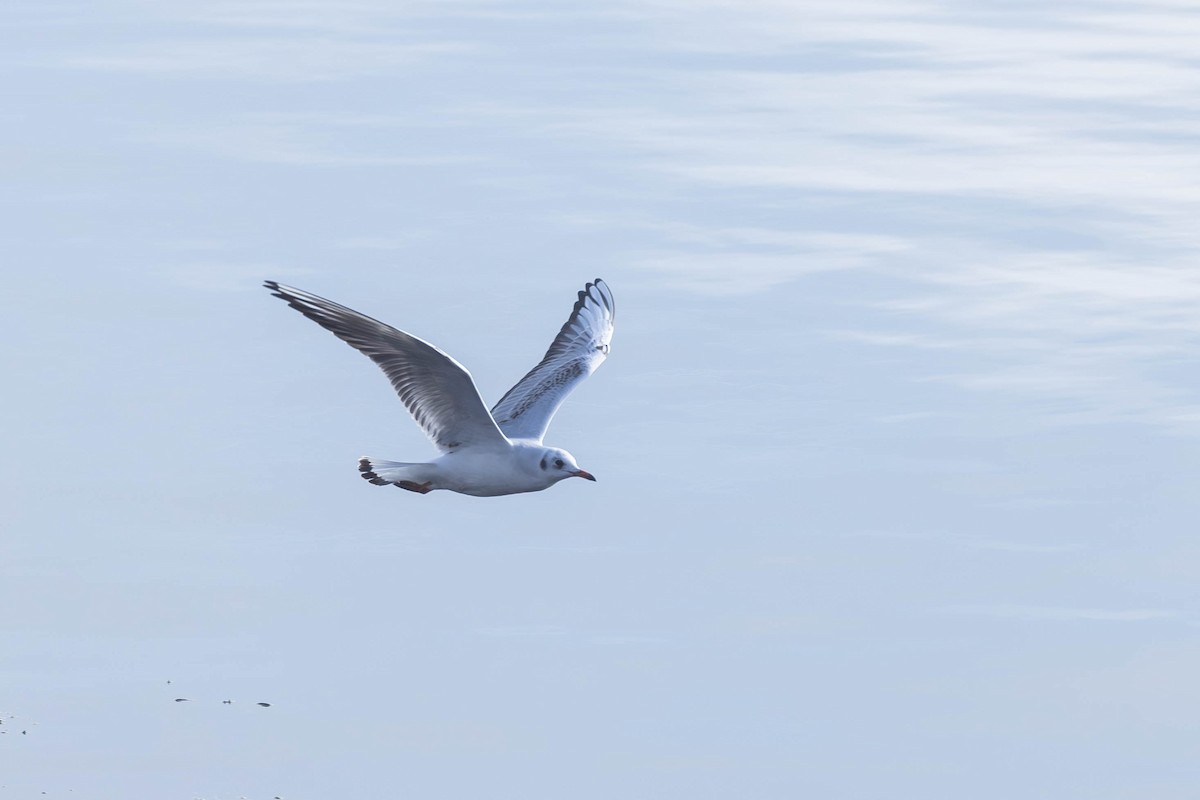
{"x":398,"y":473}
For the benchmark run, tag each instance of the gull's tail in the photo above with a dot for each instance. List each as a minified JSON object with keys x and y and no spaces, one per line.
{"x":411,"y":476}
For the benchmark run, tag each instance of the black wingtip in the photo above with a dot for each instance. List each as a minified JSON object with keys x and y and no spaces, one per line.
{"x":276,"y":290}
{"x":605,"y":298}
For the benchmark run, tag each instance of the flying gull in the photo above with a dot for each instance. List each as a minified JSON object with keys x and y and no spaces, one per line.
{"x":483,"y":453}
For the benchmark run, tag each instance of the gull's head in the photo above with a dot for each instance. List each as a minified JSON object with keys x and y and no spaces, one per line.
{"x":559,"y":464}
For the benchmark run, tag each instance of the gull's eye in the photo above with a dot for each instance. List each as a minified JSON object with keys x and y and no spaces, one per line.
{"x":558,"y":462}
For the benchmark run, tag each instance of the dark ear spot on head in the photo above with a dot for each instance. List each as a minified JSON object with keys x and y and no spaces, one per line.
{"x":543,"y":464}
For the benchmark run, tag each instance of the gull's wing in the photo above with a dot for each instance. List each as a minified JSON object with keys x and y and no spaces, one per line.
{"x":580,"y":347}
{"x":436,"y":389}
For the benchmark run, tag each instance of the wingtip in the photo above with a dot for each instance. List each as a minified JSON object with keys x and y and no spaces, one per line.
{"x":606,"y":295}
{"x":296,"y":298}
{"x":276,"y":289}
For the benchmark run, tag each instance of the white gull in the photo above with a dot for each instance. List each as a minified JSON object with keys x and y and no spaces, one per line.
{"x":483,"y":454}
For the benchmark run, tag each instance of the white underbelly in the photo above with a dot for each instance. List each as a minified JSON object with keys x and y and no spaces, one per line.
{"x":485,"y":475}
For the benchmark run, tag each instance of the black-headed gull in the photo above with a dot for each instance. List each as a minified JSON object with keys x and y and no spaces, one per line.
{"x":483,"y":454}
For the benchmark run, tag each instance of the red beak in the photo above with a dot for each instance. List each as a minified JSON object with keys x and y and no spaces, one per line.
{"x":580,"y":473}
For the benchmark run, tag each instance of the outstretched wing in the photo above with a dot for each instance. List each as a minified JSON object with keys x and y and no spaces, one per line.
{"x":436,"y":389}
{"x":582,"y":344}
